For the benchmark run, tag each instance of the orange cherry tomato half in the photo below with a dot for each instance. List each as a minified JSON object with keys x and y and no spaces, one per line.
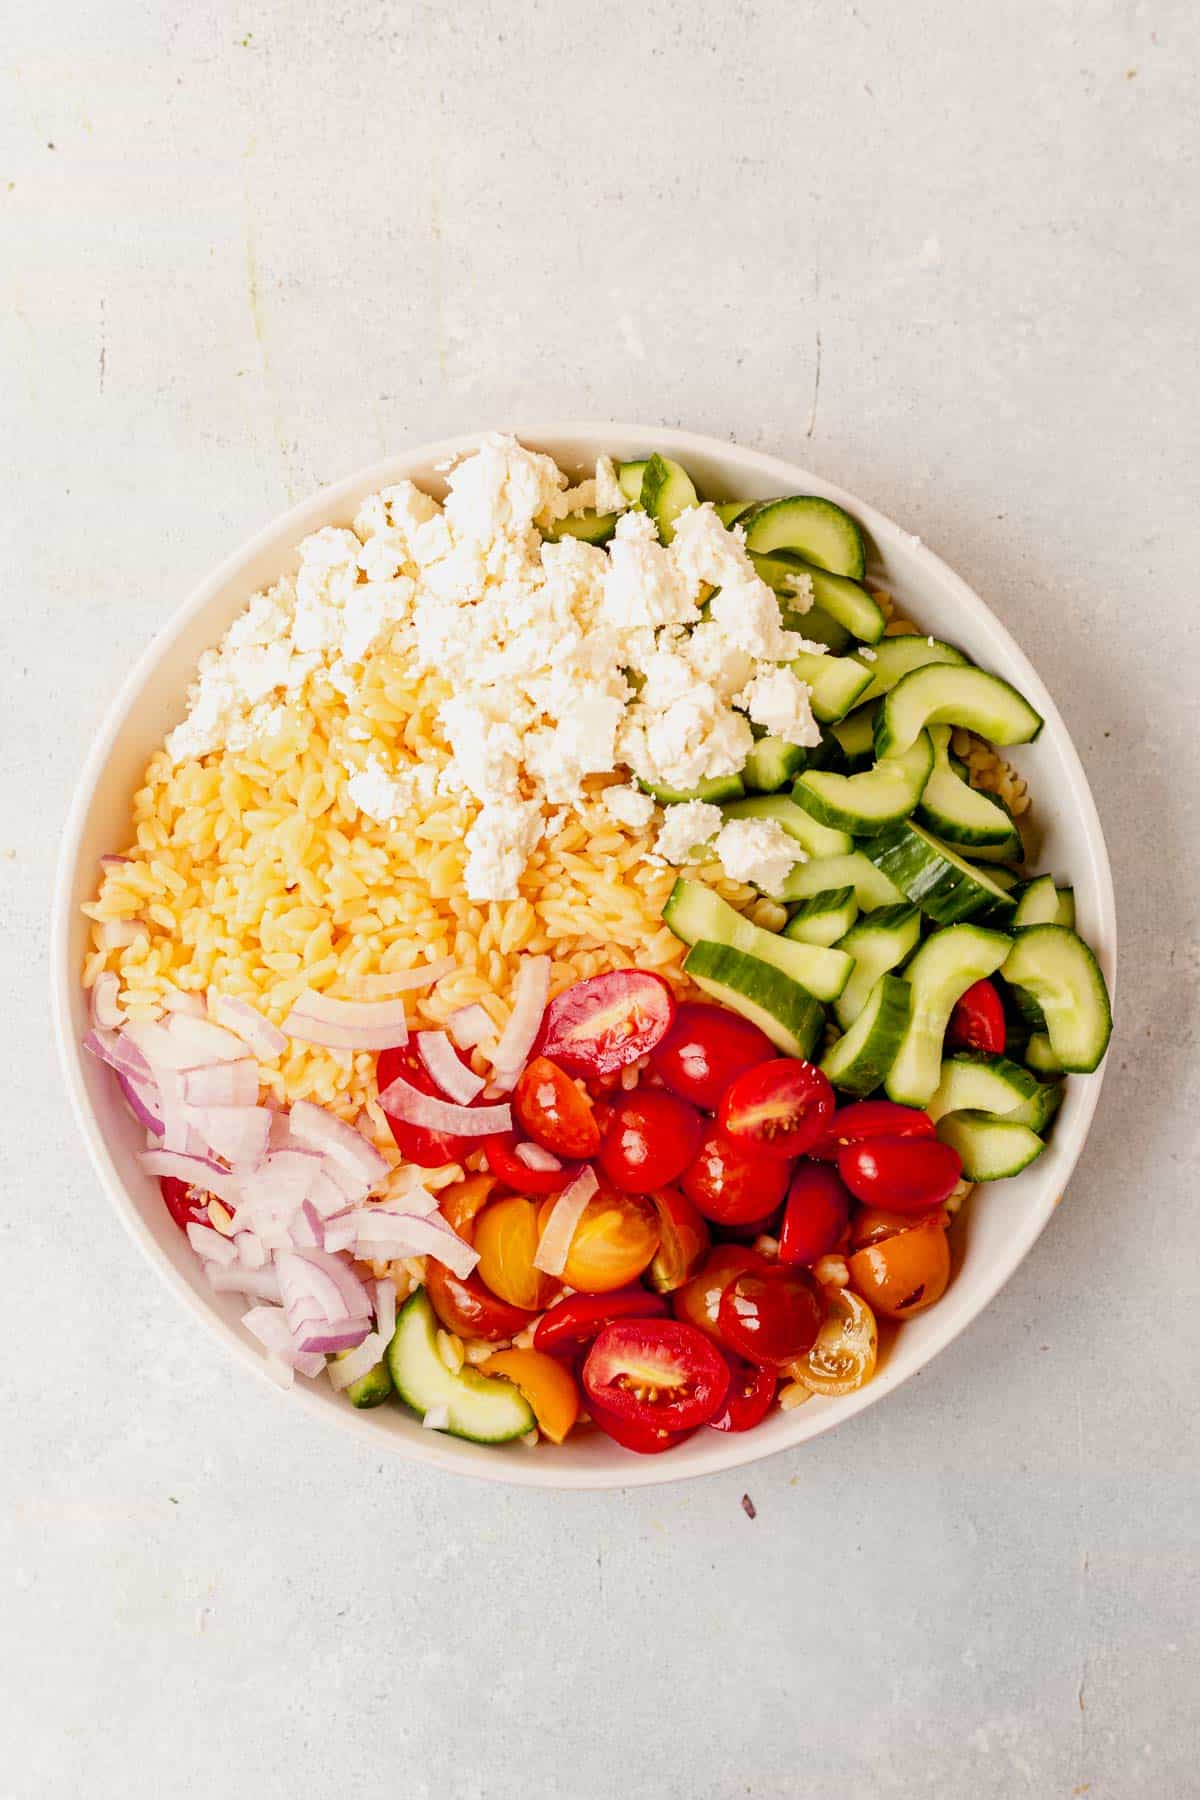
{"x":656,"y":1372}
{"x":705,"y":1049}
{"x":506,"y":1237}
{"x":731,"y":1183}
{"x":572,"y":1322}
{"x":777,"y":1108}
{"x":614,"y":1240}
{"x":603,"y":1024}
{"x":553,"y":1112}
{"x":843,"y":1356}
{"x":549,"y":1388}
{"x":904,"y":1271}
{"x":649,"y":1140}
{"x":871,"y":1224}
{"x":461,"y":1204}
{"x":751,"y":1391}
{"x":977,"y":1021}
{"x":465,"y":1306}
{"x":698,"y":1301}
{"x":771,"y":1315}
{"x":683,"y":1241}
{"x":871,"y":1119}
{"x":905,"y":1175}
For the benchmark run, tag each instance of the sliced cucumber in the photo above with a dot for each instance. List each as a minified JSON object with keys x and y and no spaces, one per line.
{"x":591,"y":527}
{"x":981,"y":1082}
{"x":761,"y":992}
{"x":1056,"y":967}
{"x":953,"y":696}
{"x":879,"y":943}
{"x":825,"y":918}
{"x":939,"y":974}
{"x":773,"y":764}
{"x":817,"y":626}
{"x":813,"y":838}
{"x":864,"y":804}
{"x":872,"y":887}
{"x":730,"y":511}
{"x":858,"y":1062}
{"x":856,"y":735}
{"x":482,"y":1408}
{"x":629,"y":479}
{"x":991,"y":1148}
{"x":836,"y":683}
{"x":932,"y":875}
{"x":844,"y":600}
{"x":371,"y":1389}
{"x":1004,"y":879}
{"x":1039,"y":902}
{"x":695,"y":912}
{"x":715,"y":791}
{"x":896,"y":657}
{"x":1040,"y":1056}
{"x":961,"y":814}
{"x":1040,"y":1108}
{"x":818,"y":530}
{"x":667,"y":490}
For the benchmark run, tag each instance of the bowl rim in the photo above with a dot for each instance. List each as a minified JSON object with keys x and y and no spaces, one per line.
{"x":728,"y":1451}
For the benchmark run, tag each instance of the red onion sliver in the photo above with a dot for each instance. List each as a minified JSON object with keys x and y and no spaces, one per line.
{"x":269,"y":1326}
{"x":210,"y":1244}
{"x":110,"y":861}
{"x":403,"y":981}
{"x":469,"y":1026}
{"x":143,"y":1102}
{"x":347,"y":1024}
{"x":222,"y":1084}
{"x":250,"y":1250}
{"x":342,"y":1233}
{"x":416,"y":1108}
{"x":260,"y":1284}
{"x":198,"y":1042}
{"x":530,"y":992}
{"x":118,"y":1049}
{"x":327,"y":1337}
{"x":534,"y":1157}
{"x":355,"y":1299}
{"x":342,"y":1144}
{"x":421,"y":1237}
{"x":176,"y":1001}
{"x":356,"y":1363}
{"x":266,"y":1040}
{"x":385,"y":1309}
{"x":238,"y":1134}
{"x":196,"y":1171}
{"x":456,"y":1081}
{"x":107,"y":1014}
{"x":555,"y":1242}
{"x":311,"y":1366}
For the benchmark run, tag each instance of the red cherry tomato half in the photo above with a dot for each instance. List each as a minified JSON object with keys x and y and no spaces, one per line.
{"x":871,"y":1119}
{"x":816,"y":1214}
{"x":651,"y":1138}
{"x":977,"y":1022}
{"x":417,"y":1144}
{"x":551,"y":1109}
{"x":464,"y":1305}
{"x":657,"y":1372}
{"x":187,"y":1205}
{"x":706,"y":1048}
{"x":901,"y":1175}
{"x":632,"y":1434}
{"x":778,"y":1108}
{"x":605,"y":1023}
{"x":571,"y":1324}
{"x":698,"y":1301}
{"x":508,"y":1168}
{"x":683,"y":1241}
{"x":751,"y":1391}
{"x":771,"y":1315}
{"x":733,"y":1184}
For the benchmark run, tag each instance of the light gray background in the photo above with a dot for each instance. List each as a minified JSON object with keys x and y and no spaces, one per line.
{"x":945,"y":253}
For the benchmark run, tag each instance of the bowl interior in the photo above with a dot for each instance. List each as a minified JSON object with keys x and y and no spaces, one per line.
{"x":999,"y":1226}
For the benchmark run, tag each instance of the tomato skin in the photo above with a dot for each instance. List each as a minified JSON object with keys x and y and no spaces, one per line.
{"x":777,"y":1108}
{"x":706,"y":1048}
{"x":903,"y":1175}
{"x":771,"y":1315}
{"x":698,"y":1301}
{"x":650,"y":1139}
{"x":187,"y":1205}
{"x":601,"y":1025}
{"x":902,"y":1272}
{"x":571,"y":1323}
{"x":549,"y":1388}
{"x":551,"y":1110}
{"x":658,"y":1372}
{"x":613,"y":1242}
{"x":751,"y":1391}
{"x":632,"y":1434}
{"x":464,"y":1305}
{"x":865,"y":1119}
{"x":428,"y":1149}
{"x":512,"y":1173}
{"x":816,"y":1214}
{"x":461,"y":1204}
{"x":683,"y":1241}
{"x":977,"y":1021}
{"x":844,"y":1355}
{"x":871,"y":1224}
{"x":506,"y":1237}
{"x":732,"y":1185}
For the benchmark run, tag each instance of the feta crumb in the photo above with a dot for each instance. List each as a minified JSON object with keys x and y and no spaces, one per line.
{"x":642,"y":586}
{"x":629,"y":806}
{"x":499,"y":844}
{"x":758,"y":851}
{"x":748,"y":613}
{"x":686,"y":825}
{"x":866,"y":654}
{"x":610,"y":495}
{"x":782,"y":703}
{"x":375,"y":793}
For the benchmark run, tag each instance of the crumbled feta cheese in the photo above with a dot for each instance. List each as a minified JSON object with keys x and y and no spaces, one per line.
{"x":499,"y":844}
{"x":375,"y":793}
{"x":629,"y":806}
{"x":758,"y":851}
{"x":580,"y":499}
{"x":866,"y":654}
{"x":610,"y":496}
{"x":782,"y":703}
{"x":748,"y":613}
{"x":686,"y":825}
{"x":798,"y":592}
{"x":643,"y":586}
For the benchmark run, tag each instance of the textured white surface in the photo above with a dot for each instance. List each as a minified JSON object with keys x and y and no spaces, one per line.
{"x":947,"y":256}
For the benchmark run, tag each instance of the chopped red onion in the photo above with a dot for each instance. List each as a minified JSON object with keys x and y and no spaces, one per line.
{"x":176,"y":1001}
{"x":260,"y":1284}
{"x":356,"y":1363}
{"x":222,"y":1084}
{"x":325,"y":1337}
{"x":413,"y":1236}
{"x":143,"y":1102}
{"x":341,"y":1233}
{"x":109,"y":861}
{"x":530,"y":992}
{"x":342,"y":1144}
{"x":385,"y":1309}
{"x":196,"y":1171}
{"x":107,"y":1014}
{"x":311,"y":1366}
{"x":356,"y":1300}
{"x":237,"y":1134}
{"x":534,"y":1157}
{"x":347,"y":1024}
{"x":198,"y":1041}
{"x":327,"y":1195}
{"x":250,"y":1251}
{"x":456,"y":1081}
{"x":554,"y":1244}
{"x":308,"y":1231}
{"x":416,"y":1108}
{"x":436,"y":1418}
{"x":266,"y":1040}
{"x":402,"y":981}
{"x":469,"y":1025}
{"x":118,"y":1049}
{"x":210,"y":1244}
{"x":269,"y":1326}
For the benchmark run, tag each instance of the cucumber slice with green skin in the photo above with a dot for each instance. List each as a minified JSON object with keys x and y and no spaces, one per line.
{"x":773,"y":764}
{"x":960,"y":814}
{"x":844,"y":600}
{"x":667,"y":491}
{"x":991,"y":1149}
{"x":934,"y":876}
{"x":813,"y":838}
{"x":856,"y":735}
{"x":1004,"y":879}
{"x":1040,"y":1057}
{"x":939,"y":974}
{"x":945,"y":695}
{"x":629,"y":479}
{"x":864,"y":804}
{"x":871,"y":886}
{"x":1039,"y":902}
{"x":730,"y":511}
{"x":717,"y":790}
{"x":823,"y":919}
{"x":590,"y":527}
{"x":696,"y":913}
{"x":817,"y":626}
{"x":761,"y":992}
{"x":481,"y":1408}
{"x":860,"y":1061}
{"x":981,"y":1082}
{"x":879,"y":943}
{"x":815,"y":529}
{"x":1058,"y":970}
{"x":896,"y":657}
{"x":836,"y":683}
{"x":371,"y":1389}
{"x":1038,"y":1111}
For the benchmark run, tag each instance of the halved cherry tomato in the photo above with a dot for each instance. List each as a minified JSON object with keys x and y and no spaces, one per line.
{"x":461,"y":1204}
{"x":902,"y":1271}
{"x":651,"y":1138}
{"x":607,"y":1022}
{"x":751,"y":1391}
{"x":731,"y":1184}
{"x":464,"y":1305}
{"x":632,"y":1434}
{"x":777,"y":1108}
{"x":904,"y":1175}
{"x":706,"y":1048}
{"x":187,"y":1205}
{"x":698,"y":1301}
{"x":549,"y":1388}
{"x":571,"y":1324}
{"x":506,"y":1237}
{"x":658,"y":1372}
{"x":512,"y":1172}
{"x":551,"y":1109}
{"x":871,"y":1224}
{"x":843,"y":1357}
{"x":683,"y":1241}
{"x":771,"y":1315}
{"x":871,"y":1119}
{"x":416,"y":1143}
{"x":613,"y":1241}
{"x":816,"y":1214}
{"x":977,"y":1021}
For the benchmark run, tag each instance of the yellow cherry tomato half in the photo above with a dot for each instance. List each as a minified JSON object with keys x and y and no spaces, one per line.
{"x":545,"y":1382}
{"x":901,"y":1272}
{"x":460,"y":1205}
{"x":614,"y":1241}
{"x":843,"y":1357}
{"x":506,"y":1237}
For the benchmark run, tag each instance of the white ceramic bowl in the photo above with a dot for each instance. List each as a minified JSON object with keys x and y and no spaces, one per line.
{"x":1000,"y":1226}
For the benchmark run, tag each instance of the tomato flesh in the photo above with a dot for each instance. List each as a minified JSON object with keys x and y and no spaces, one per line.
{"x":464,"y":1305}
{"x":571,"y":1324}
{"x":187,"y":1205}
{"x":771,"y":1315}
{"x":870,"y":1119}
{"x":903,"y":1175}
{"x":506,"y":1237}
{"x":549,"y":1388}
{"x":706,"y":1048}
{"x":731,"y":1184}
{"x":658,"y":1372}
{"x":977,"y":1021}
{"x":778,"y":1108}
{"x":613,"y":1242}
{"x":751,"y":1391}
{"x":902,"y":1271}
{"x":553,"y":1112}
{"x":816,"y":1214}
{"x":650,"y":1139}
{"x":512,"y":1172}
{"x":682,"y":1243}
{"x":416,"y":1143}
{"x":603,"y":1024}
{"x":633,"y":1434}
{"x":698,"y":1301}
